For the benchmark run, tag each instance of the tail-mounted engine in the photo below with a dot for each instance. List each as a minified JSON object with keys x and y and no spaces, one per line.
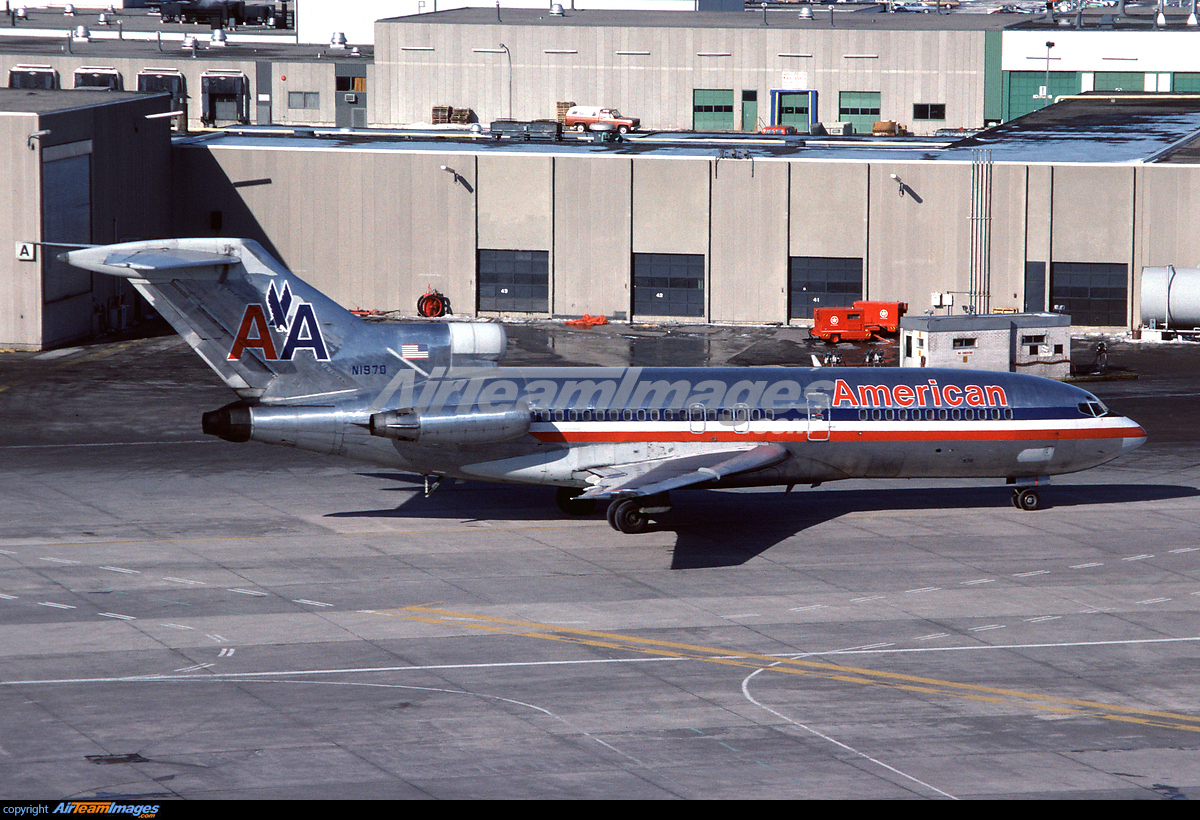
{"x":478,"y":427}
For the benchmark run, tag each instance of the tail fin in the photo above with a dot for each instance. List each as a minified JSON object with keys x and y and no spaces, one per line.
{"x":268,"y":334}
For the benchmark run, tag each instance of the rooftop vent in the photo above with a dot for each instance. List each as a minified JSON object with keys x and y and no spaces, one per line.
{"x":218,"y":39}
{"x":805,"y":14}
{"x":81,"y":34}
{"x":338,"y":40}
{"x":556,"y":10}
{"x":69,"y":10}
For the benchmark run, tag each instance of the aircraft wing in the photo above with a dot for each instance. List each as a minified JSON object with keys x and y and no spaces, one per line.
{"x":659,"y":475}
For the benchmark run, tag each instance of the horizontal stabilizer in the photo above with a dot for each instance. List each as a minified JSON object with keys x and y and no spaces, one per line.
{"x":660,"y":475}
{"x":141,"y":260}
{"x":173,"y":260}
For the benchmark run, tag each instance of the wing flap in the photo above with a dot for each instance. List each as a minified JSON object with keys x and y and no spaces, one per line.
{"x":660,"y":475}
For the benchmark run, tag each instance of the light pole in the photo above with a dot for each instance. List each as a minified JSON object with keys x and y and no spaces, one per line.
{"x":1049,"y":45}
{"x":505,"y":48}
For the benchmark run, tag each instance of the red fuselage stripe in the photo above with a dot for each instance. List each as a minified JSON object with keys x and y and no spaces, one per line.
{"x":631,"y":435}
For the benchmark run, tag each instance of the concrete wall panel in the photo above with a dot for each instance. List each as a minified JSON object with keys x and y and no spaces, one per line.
{"x":748,"y":264}
{"x":592,"y":236}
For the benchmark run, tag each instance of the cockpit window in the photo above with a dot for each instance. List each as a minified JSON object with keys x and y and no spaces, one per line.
{"x":1094,"y":407}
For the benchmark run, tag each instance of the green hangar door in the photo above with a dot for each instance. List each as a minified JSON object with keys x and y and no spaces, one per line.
{"x":860,"y":109}
{"x":712,"y":109}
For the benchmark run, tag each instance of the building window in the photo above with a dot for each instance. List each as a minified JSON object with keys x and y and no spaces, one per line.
{"x":964,"y":344}
{"x":823,"y":281}
{"x":355,"y":84}
{"x":668,"y":284}
{"x":514,"y":281}
{"x":304,"y":99}
{"x":929,"y":111}
{"x":1093,"y":294}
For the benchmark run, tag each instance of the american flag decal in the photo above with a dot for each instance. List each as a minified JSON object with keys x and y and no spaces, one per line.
{"x":414,"y":351}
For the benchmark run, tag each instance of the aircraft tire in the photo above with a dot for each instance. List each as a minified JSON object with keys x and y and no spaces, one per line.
{"x":568,"y":503}
{"x":627,"y":517}
{"x":1028,"y":500}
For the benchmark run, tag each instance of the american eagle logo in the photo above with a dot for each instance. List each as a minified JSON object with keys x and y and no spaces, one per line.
{"x":290,"y":317}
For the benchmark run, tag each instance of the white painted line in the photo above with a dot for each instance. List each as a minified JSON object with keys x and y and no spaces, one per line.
{"x":978,"y":581}
{"x":318,"y":603}
{"x":56,"y":606}
{"x":1154,"y":601}
{"x":122,"y":569}
{"x":1041,"y":618}
{"x":1086,"y":566}
{"x":195,"y":668}
{"x":119,"y":617}
{"x":743,"y":615}
{"x":868,"y":598}
{"x":806,"y":608}
{"x":183,"y":581}
{"x":177,"y":626}
{"x":253,"y":592}
{"x":8,"y":597}
{"x":985,"y":628}
{"x":217,"y":638}
{"x":934,"y":636}
{"x":225,"y":652}
{"x":922,"y":589}
{"x":1137,"y":557}
{"x":1031,"y":574}
{"x":1185,"y":549}
{"x":58,"y":560}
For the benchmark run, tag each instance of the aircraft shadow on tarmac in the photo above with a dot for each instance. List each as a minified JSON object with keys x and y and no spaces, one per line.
{"x":720,"y":529}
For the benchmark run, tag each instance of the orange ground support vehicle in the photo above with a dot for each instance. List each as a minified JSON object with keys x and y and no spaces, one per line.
{"x":858,"y":323}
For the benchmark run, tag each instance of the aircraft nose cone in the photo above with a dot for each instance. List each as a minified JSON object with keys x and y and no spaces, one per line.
{"x":1134,"y":439}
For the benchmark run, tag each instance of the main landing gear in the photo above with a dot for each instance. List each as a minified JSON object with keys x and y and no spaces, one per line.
{"x":1026,"y":498}
{"x":1025,"y":492}
{"x":632,"y":515}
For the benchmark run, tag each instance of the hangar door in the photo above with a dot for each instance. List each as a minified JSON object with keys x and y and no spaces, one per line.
{"x":66,"y":215}
{"x":712,"y":109}
{"x":1093,"y":294}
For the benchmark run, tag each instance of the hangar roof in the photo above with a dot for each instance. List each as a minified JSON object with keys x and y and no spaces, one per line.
{"x":865,"y":16}
{"x":38,"y":101}
{"x":1099,"y":127}
{"x":861,"y":16}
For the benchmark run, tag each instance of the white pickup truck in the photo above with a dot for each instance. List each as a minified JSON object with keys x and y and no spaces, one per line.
{"x":583,"y":117}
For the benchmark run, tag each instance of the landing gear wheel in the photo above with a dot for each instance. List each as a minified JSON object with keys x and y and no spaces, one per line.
{"x":1028,"y":500}
{"x":627,"y":516}
{"x":580,"y":127}
{"x":834,"y":338}
{"x":568,"y":503}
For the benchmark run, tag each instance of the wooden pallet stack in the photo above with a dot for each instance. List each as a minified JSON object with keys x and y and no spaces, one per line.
{"x":441,"y":114}
{"x":563,"y":108}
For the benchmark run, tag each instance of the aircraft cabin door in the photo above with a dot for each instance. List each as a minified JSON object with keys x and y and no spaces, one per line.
{"x":818,"y":416}
{"x":696,"y":418}
{"x":741,"y":418}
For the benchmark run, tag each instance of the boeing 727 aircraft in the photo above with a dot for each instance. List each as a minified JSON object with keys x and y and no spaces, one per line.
{"x":432,"y":398}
